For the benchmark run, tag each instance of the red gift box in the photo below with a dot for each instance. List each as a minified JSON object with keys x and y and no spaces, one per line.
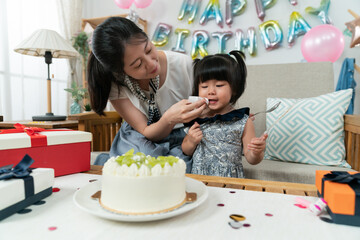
{"x":66,"y":151}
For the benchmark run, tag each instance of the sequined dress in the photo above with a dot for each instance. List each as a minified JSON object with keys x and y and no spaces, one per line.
{"x":219,"y":153}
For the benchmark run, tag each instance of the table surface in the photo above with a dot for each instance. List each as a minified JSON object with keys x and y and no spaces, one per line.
{"x":269,"y":215}
{"x":71,"y":124}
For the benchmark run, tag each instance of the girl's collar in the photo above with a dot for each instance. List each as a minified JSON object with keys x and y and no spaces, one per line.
{"x":235,"y":114}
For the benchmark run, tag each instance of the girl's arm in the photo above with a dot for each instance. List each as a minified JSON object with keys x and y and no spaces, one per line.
{"x":192,"y":139}
{"x":181,"y":112}
{"x":253,"y":147}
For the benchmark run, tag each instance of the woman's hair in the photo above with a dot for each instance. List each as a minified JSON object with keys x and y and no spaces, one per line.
{"x":107,"y":57}
{"x":224,"y":67}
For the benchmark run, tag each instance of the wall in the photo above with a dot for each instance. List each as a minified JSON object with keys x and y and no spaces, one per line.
{"x":167,"y":11}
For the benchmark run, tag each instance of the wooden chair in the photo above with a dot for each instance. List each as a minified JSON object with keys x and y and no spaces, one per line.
{"x":103,"y":128}
{"x":352,"y":140}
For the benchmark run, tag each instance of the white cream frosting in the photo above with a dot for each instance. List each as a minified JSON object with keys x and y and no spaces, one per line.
{"x":112,"y":167}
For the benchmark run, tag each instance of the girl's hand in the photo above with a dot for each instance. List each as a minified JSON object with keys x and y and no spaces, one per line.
{"x":257,"y":145}
{"x":184,"y":111}
{"x":195,"y":134}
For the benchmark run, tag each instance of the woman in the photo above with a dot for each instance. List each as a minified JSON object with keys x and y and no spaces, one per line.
{"x":147,"y":87}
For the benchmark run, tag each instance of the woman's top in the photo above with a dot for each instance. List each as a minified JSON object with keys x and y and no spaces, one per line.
{"x":178,"y":85}
{"x":219,"y":152}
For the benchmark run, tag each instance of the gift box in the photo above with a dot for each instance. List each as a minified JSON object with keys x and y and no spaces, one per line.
{"x":21,"y":187}
{"x":66,"y":151}
{"x":341,"y":191}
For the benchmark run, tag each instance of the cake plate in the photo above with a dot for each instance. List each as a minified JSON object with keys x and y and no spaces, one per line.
{"x":83,"y":200}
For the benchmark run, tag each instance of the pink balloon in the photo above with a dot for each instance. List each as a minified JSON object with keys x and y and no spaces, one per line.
{"x":322,"y":43}
{"x":124,"y":4}
{"x":142,"y":3}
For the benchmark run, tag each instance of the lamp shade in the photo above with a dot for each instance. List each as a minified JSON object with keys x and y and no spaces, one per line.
{"x":44,"y":40}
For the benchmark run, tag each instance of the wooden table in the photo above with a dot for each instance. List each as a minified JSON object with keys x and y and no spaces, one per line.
{"x":70,"y":124}
{"x":246,"y":184}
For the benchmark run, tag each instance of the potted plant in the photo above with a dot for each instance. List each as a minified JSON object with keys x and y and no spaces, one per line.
{"x":78,"y":93}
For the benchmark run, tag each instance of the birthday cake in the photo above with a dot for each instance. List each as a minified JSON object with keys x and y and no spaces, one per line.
{"x":139,"y":184}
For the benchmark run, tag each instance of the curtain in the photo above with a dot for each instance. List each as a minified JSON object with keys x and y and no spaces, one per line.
{"x":23,"y":91}
{"x":70,"y":13}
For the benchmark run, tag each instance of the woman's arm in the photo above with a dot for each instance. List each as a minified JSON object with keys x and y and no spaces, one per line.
{"x":181,"y":112}
{"x":253,"y":147}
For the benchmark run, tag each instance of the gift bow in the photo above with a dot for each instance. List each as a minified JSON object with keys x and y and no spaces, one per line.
{"x":19,"y":171}
{"x":19,"y":128}
{"x":343,"y":177}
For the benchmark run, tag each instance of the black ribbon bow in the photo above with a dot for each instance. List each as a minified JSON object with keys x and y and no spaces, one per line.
{"x":343,"y":177}
{"x":21,"y":170}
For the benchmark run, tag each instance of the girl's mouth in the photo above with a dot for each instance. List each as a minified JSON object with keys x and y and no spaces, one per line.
{"x":154,"y":71}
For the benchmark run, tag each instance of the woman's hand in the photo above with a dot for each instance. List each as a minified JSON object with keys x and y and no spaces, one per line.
{"x":184,"y":111}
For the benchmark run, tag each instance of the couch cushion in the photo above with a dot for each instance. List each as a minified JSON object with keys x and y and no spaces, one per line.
{"x":308,"y":130}
{"x":270,"y":170}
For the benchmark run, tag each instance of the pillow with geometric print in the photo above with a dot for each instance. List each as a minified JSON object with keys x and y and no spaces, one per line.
{"x":308,"y":130}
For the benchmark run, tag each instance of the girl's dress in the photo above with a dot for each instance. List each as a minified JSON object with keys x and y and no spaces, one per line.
{"x":219,"y":152}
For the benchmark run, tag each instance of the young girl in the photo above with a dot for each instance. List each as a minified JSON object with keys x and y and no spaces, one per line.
{"x":218,"y":140}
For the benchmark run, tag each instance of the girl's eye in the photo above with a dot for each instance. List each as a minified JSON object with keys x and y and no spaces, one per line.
{"x":149,"y":51}
{"x":138,"y":65}
{"x":219,"y":85}
{"x":203,"y":86}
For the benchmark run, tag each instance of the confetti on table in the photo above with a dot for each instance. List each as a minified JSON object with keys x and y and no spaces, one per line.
{"x":246,"y":225}
{"x":55,"y":189}
{"x":221,"y":205}
{"x":232,"y":192}
{"x":92,"y":180}
{"x":299,"y":205}
{"x":237,"y":217}
{"x":235,"y":224}
{"x":268,"y":214}
{"x":52,"y":228}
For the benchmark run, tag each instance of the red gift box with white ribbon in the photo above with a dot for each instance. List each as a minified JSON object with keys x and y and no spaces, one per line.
{"x":66,"y":151}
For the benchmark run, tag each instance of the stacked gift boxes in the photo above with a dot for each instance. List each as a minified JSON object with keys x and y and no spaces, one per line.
{"x":66,"y":151}
{"x":341,"y":191}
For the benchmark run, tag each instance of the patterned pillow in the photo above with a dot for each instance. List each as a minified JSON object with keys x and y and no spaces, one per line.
{"x":311,"y":131}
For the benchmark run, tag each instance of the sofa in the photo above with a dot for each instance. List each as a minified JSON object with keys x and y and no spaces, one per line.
{"x":293,"y":80}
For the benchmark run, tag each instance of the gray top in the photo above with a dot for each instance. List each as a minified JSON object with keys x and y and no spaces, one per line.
{"x":219,"y":152}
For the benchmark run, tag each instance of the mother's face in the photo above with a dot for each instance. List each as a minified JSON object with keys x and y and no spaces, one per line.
{"x":141,"y":60}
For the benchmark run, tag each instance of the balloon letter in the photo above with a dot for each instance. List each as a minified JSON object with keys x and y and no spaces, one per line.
{"x":124,"y":4}
{"x":142,"y":3}
{"x":233,"y":8}
{"x":222,"y":37}
{"x":199,"y":43}
{"x":181,"y":35}
{"x":161,"y":35}
{"x":189,"y":8}
{"x":322,"y":12}
{"x":212,"y":11}
{"x":249,"y":41}
{"x":297,"y":27}
{"x":261,"y":5}
{"x":265,"y":29}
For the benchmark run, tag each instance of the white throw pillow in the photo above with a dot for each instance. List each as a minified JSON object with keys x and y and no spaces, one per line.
{"x":311,"y":130}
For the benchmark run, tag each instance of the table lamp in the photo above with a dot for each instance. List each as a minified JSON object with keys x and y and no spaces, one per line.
{"x":49,"y":44}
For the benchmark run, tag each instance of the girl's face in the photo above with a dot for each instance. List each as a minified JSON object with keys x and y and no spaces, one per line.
{"x":141,"y":60}
{"x":219,"y":94}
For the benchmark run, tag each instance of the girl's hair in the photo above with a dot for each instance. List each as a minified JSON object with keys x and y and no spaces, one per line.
{"x":107,"y":57}
{"x":224,"y":67}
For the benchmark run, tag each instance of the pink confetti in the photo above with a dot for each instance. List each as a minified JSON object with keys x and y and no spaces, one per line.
{"x":268,"y":214}
{"x":246,"y":225}
{"x":299,"y":205}
{"x":221,"y":205}
{"x":52,"y":228}
{"x":56,"y":189}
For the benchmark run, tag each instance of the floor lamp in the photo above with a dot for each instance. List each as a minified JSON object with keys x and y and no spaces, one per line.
{"x":49,"y":44}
